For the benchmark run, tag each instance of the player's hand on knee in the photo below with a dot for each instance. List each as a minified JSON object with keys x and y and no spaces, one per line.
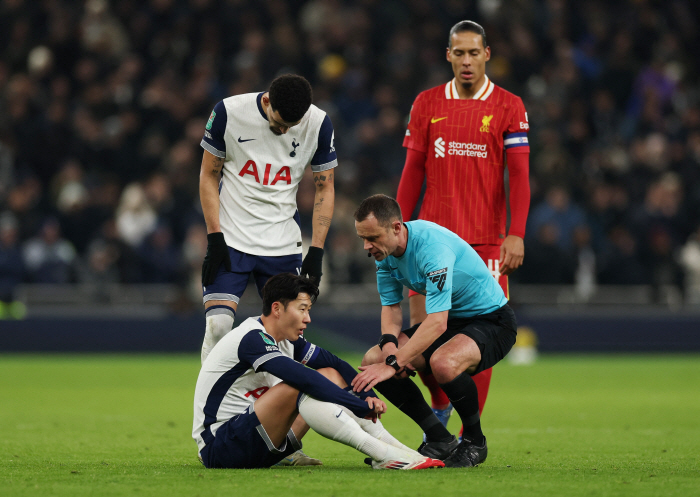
{"x":378,"y":407}
{"x":217,"y":253}
{"x":313,"y":264}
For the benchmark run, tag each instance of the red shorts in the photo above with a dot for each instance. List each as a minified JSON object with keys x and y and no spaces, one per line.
{"x":490,"y":254}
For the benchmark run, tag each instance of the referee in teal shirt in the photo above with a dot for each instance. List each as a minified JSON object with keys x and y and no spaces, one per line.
{"x":469,"y":327}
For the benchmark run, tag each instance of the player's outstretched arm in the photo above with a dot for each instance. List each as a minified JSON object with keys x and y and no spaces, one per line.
{"x":217,"y":252}
{"x":513,"y":248}
{"x":317,"y":357}
{"x":324,"y":203}
{"x":411,"y":183}
{"x":313,"y":384}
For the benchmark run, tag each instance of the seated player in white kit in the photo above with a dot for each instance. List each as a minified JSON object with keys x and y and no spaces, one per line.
{"x":255,"y":383}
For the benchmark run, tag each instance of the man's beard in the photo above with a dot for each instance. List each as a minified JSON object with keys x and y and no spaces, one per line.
{"x":278,"y":133}
{"x":467,"y":85}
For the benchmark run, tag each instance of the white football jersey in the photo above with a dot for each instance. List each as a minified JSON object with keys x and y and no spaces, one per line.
{"x":227,"y":384}
{"x":261,"y":173}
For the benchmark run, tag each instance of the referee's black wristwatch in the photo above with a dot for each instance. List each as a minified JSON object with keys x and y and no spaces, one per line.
{"x":391,"y":361}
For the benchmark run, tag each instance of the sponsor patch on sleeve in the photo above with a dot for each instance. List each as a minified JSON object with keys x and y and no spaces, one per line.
{"x":439,"y":271}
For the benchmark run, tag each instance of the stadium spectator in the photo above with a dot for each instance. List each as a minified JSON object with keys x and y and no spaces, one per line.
{"x":48,"y":257}
{"x":11,"y":263}
{"x":558,"y":211}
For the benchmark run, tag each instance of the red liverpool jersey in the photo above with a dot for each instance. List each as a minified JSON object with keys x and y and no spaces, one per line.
{"x":464,"y":141}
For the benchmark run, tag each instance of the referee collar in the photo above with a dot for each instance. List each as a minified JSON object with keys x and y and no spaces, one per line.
{"x":408,"y":236}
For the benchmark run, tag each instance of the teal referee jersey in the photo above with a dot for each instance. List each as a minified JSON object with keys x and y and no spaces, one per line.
{"x":443,"y":267}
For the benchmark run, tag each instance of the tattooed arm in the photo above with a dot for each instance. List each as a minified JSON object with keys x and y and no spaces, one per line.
{"x":323,"y":206}
{"x":209,"y":176}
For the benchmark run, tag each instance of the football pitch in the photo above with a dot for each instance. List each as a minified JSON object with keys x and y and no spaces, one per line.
{"x":566,"y":425}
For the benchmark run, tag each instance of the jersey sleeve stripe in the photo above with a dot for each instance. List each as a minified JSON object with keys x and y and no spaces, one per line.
{"x":213,"y":151}
{"x":265,"y":358}
{"x":317,"y":168}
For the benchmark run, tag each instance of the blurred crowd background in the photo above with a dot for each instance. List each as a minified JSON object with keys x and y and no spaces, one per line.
{"x":103,"y":105}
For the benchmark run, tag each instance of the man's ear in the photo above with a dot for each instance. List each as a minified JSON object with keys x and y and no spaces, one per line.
{"x":396,"y":225}
{"x":276,"y":309}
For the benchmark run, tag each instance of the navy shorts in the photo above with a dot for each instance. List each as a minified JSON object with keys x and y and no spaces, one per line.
{"x":494,"y":333}
{"x":242,"y":442}
{"x":230,"y":285}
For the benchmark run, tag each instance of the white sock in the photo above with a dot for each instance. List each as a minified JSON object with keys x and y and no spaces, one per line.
{"x":332,"y":422}
{"x":377,"y":430}
{"x":219,"y":322}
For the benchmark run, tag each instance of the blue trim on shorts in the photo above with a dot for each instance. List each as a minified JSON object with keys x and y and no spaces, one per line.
{"x":262,"y":268}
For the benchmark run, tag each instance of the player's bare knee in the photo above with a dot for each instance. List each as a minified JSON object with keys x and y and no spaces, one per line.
{"x":372,"y":356}
{"x":447,"y":366}
{"x":443,"y":371}
{"x":333,"y":375}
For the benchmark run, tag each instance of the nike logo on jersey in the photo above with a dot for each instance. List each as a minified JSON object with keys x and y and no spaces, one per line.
{"x":433,"y":120}
{"x":243,"y":141}
{"x":338,"y":415}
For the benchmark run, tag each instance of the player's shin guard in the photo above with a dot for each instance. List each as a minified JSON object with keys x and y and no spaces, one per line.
{"x":407,"y":397}
{"x":219,"y":321}
{"x":376,"y":430}
{"x":331,"y":421}
{"x":465,"y":399}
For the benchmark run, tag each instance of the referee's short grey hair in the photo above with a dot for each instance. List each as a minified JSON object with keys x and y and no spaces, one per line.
{"x":470,"y":26}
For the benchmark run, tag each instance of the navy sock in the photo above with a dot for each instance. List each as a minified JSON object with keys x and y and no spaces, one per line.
{"x":465,"y":399}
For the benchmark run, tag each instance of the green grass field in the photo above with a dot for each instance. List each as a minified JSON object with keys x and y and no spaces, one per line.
{"x":567,"y":425}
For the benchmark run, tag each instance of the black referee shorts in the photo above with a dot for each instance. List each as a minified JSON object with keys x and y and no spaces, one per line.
{"x":494,"y":333}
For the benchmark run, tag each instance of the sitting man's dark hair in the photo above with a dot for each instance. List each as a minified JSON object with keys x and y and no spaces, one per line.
{"x":284,"y":288}
{"x":384,"y":208}
{"x":291,"y":96}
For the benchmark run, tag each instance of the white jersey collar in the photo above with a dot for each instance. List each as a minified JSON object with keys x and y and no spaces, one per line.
{"x":483,"y":93}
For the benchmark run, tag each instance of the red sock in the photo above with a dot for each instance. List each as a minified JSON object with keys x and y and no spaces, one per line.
{"x":483,"y":381}
{"x":438,"y":398}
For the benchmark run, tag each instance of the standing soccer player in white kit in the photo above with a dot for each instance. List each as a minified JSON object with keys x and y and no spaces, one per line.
{"x":256,"y":148}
